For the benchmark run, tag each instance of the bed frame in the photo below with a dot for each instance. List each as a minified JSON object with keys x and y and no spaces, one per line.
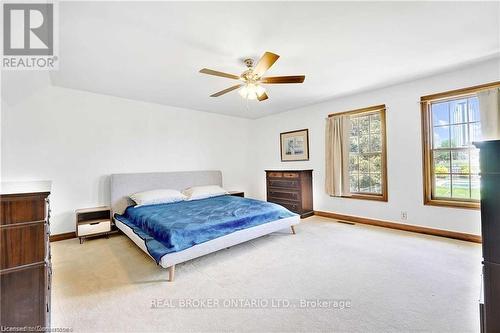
{"x":123,"y":185}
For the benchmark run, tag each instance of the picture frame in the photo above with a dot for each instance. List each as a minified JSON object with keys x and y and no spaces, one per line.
{"x":294,"y":145}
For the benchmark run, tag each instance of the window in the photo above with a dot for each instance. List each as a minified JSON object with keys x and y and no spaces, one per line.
{"x":451,"y":123}
{"x":367,"y":153}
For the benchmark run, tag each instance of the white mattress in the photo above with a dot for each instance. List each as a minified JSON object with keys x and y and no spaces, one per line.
{"x":223,"y":242}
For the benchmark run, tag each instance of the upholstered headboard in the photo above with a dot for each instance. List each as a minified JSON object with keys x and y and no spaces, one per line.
{"x":125,"y":184}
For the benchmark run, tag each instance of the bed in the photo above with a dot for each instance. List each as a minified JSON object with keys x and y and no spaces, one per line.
{"x":177,"y":232}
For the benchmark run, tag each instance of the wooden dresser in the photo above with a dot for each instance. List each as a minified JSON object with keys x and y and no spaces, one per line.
{"x":291,"y":189}
{"x":25,"y":270}
{"x":490,"y":231}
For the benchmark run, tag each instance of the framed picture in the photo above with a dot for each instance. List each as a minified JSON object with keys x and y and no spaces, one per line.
{"x":295,"y":145}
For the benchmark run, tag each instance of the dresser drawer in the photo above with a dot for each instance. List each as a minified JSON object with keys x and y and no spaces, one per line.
{"x":94,"y":228}
{"x":280,"y":194}
{"x":291,"y":206}
{"x":290,"y":175}
{"x":283,"y":183}
{"x":275,"y":175}
{"x":23,"y":301}
{"x":22,"y":244}
{"x":22,"y":208}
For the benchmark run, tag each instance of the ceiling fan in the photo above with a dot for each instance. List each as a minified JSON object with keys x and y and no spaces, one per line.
{"x":252,"y":79}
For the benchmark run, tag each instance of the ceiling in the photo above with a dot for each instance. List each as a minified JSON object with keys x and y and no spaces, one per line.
{"x":152,"y":51}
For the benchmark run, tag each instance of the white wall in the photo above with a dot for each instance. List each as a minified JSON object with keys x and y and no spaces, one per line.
{"x":404,"y":149}
{"x":76,"y":139}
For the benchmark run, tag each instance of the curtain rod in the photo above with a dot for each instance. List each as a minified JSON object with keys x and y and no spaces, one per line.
{"x":368,"y":109}
{"x":462,"y":91}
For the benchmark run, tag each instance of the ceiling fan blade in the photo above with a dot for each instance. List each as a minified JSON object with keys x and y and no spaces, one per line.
{"x":265,"y":62}
{"x":262,"y":97}
{"x":225,"y":91}
{"x":217,"y":73}
{"x":283,"y":79}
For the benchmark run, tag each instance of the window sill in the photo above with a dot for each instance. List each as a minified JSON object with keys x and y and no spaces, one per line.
{"x":453,"y":204}
{"x":382,"y":198}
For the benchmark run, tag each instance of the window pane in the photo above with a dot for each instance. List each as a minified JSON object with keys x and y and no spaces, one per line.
{"x":474,"y":161}
{"x":460,"y":161}
{"x":440,"y":114}
{"x":353,"y":162}
{"x":375,"y":123}
{"x":364,"y":144}
{"x":354,"y":127}
{"x":354,"y":144}
{"x":376,"y":184}
{"x":353,"y":180}
{"x":458,"y":111}
{"x":441,"y":137}
{"x":442,"y":186}
{"x":375,"y":143}
{"x":475,"y":132}
{"x":364,"y":124}
{"x":363,"y":163}
{"x":475,"y":191}
{"x":474,"y":109}
{"x":459,"y":136}
{"x":455,"y":124}
{"x":365,"y":157}
{"x":364,"y":183}
{"x":460,"y":187}
{"x":376,"y":163}
{"x":442,"y":161}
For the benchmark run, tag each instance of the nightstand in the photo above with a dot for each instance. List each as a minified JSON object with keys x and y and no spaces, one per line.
{"x":92,"y":222}
{"x":237,"y":193}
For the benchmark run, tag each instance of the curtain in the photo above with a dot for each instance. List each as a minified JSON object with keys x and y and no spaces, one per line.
{"x":337,"y":155}
{"x":489,"y":110}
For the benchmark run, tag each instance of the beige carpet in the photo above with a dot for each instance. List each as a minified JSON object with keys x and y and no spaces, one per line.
{"x":394,"y":281}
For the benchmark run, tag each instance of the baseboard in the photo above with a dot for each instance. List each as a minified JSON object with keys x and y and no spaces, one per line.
{"x":400,"y":226}
{"x":60,"y":237}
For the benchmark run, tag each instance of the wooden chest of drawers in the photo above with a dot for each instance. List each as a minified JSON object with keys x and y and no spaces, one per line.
{"x":25,"y":271}
{"x":291,"y":189}
{"x":490,"y":231}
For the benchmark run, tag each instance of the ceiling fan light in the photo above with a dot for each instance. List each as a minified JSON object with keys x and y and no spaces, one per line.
{"x":243,"y":92}
{"x":259,"y":90}
{"x":251,"y":91}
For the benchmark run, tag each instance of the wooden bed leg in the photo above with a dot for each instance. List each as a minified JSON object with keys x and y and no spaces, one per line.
{"x":293,"y":229}
{"x":171,"y":273}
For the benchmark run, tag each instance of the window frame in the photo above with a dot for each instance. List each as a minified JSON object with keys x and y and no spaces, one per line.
{"x":383,"y":154}
{"x":427,"y":132}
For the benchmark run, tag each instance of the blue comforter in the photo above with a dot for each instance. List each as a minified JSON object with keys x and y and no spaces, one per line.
{"x":167,"y":228}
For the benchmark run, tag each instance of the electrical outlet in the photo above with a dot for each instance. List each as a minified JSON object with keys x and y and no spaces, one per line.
{"x":404,"y":215}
